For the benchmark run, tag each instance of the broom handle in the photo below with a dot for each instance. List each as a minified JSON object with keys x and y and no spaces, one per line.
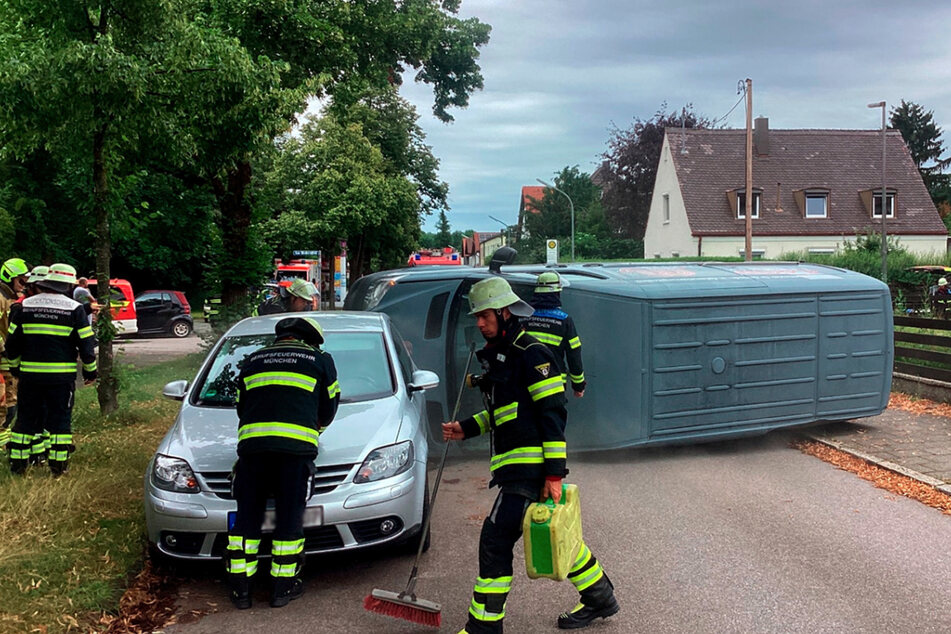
{"x":411,"y":584}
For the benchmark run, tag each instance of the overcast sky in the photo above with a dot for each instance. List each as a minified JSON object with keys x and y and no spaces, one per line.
{"x":559,"y":74}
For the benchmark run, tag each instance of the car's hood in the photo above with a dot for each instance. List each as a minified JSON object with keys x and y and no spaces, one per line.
{"x":207,"y":437}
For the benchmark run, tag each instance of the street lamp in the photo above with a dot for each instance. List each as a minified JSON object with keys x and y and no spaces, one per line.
{"x":504,"y":227}
{"x":881,"y":104}
{"x":572,"y":214}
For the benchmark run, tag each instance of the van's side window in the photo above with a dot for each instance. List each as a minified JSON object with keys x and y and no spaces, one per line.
{"x":437,"y":309}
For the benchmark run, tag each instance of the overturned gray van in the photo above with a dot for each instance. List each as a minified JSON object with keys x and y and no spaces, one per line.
{"x":673,"y":352}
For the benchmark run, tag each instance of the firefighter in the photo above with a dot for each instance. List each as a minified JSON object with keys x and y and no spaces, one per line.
{"x":525,"y":410}
{"x":554,"y":327}
{"x":13,"y":274}
{"x":300,"y":296}
{"x":47,"y":333}
{"x":287,"y":395}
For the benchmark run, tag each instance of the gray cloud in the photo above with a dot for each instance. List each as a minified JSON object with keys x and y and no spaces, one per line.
{"x":558,"y":74}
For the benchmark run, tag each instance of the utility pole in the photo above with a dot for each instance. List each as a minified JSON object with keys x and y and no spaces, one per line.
{"x":749,"y":170}
{"x":881,"y":104}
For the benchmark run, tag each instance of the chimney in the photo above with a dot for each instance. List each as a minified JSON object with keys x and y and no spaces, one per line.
{"x":761,"y":136}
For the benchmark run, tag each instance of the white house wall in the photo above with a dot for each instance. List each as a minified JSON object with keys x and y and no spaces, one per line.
{"x":665,"y":239}
{"x":775,"y":246}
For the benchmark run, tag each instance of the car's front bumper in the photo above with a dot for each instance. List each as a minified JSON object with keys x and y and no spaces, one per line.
{"x":195,"y":525}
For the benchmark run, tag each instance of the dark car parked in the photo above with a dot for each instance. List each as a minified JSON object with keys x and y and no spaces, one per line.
{"x":163,"y":312}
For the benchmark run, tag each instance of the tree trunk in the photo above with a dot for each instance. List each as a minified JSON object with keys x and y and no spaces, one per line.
{"x":108,"y":388}
{"x":235,"y":226}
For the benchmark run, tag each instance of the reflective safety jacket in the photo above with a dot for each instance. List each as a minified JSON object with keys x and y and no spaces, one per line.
{"x":47,"y":333}
{"x":8,"y":298}
{"x":287,"y":394}
{"x":554,"y":327}
{"x":526,"y":396}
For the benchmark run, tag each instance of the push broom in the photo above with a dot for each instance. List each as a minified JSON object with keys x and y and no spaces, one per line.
{"x":405,"y":605}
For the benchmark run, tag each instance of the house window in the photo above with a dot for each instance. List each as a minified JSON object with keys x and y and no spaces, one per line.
{"x":741,"y":205}
{"x":822,"y":250}
{"x":666,"y":208}
{"x":877,"y":204}
{"x":758,"y":254}
{"x":817,"y":205}
{"x":675,"y":254}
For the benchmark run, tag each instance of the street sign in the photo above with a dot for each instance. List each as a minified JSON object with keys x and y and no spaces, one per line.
{"x":303,"y":253}
{"x":551,"y":251}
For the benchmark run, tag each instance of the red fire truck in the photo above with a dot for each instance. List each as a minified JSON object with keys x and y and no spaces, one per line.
{"x":286,"y":272}
{"x":445,"y":256}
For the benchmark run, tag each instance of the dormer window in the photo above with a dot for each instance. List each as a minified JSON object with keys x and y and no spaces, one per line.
{"x":877,"y":201}
{"x":872,"y":201}
{"x":741,"y":204}
{"x":817,"y":204}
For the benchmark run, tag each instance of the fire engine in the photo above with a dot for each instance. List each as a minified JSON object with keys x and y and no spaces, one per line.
{"x":425,"y":257}
{"x":286,"y":272}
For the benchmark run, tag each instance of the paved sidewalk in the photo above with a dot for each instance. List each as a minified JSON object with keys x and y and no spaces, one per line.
{"x":917,"y":445}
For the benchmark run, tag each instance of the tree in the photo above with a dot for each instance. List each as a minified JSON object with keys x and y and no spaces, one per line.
{"x":89,"y":81}
{"x":320,"y":47}
{"x":923,"y":138}
{"x":443,"y":231}
{"x":332,"y":183}
{"x":631,"y":168}
{"x":552,"y":218}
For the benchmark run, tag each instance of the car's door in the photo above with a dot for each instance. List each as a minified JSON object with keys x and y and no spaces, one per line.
{"x":149,"y":310}
{"x":169,"y":310}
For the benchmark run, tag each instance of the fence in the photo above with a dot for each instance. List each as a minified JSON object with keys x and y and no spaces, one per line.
{"x":923,"y":355}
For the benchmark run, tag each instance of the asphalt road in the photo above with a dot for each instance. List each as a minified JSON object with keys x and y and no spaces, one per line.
{"x":747,"y":536}
{"x":141,"y":350}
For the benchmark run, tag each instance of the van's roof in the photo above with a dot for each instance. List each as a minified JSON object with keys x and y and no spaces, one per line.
{"x":667,"y":279}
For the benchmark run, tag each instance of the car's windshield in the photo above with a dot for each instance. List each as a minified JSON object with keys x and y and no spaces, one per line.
{"x":363,"y":367}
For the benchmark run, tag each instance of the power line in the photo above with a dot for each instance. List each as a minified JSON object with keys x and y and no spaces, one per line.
{"x":729,"y":112}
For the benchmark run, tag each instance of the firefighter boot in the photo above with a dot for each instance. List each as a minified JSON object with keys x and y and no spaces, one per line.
{"x":286,"y":589}
{"x":597,"y":602}
{"x":240,"y":591}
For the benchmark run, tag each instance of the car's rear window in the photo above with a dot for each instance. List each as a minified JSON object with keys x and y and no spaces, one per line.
{"x":363,"y":367}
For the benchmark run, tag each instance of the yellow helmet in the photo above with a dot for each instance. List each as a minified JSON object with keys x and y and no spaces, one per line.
{"x":495,"y":293}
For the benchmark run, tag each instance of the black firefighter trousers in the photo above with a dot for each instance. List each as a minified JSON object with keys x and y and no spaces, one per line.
{"x":42,"y":407}
{"x":284,"y":477}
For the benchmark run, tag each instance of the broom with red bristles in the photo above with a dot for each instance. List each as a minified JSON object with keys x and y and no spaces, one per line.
{"x":405,"y":605}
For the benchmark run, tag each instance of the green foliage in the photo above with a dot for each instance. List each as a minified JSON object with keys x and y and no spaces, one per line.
{"x":553,"y":216}
{"x":630,"y":167}
{"x":923,"y":138}
{"x":443,"y":230}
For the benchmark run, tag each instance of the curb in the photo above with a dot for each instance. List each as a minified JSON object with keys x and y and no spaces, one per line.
{"x":935,"y":483}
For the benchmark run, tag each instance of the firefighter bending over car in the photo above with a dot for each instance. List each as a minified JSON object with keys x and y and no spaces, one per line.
{"x":525,"y":410}
{"x":287,"y":395}
{"x":48,"y":331}
{"x":553,"y":327}
{"x":301,"y":296}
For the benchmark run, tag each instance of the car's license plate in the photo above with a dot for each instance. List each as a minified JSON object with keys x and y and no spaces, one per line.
{"x":313,"y":516}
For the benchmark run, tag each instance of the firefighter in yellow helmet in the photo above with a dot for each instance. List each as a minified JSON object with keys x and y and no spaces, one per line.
{"x":13,"y":275}
{"x":555,"y":328}
{"x":525,"y":411}
{"x":300,"y":296}
{"x":47,"y":334}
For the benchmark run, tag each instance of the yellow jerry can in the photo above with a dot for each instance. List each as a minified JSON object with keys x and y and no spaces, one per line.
{"x":552,"y":535}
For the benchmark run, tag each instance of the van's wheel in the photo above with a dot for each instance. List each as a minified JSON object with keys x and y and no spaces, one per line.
{"x":181,"y":329}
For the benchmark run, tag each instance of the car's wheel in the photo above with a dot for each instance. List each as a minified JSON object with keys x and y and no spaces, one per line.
{"x":181,"y":329}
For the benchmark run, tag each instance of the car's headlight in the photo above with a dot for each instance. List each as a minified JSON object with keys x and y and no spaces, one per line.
{"x":173,"y":474}
{"x":386,"y":462}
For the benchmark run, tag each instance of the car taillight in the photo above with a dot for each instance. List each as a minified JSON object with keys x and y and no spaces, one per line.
{"x":188,"y":309}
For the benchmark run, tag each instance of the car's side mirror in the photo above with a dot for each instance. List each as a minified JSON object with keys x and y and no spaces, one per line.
{"x":423,"y":380}
{"x":176,"y":390}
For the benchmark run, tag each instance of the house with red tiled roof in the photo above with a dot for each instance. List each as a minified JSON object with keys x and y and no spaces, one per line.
{"x":530,"y":195}
{"x":478,"y":249}
{"x":812,"y":191}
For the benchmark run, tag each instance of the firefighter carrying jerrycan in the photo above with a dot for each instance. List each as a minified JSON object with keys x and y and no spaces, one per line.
{"x":525,"y":410}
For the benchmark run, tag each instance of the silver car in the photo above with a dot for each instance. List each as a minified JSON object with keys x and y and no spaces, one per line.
{"x":370,"y":486}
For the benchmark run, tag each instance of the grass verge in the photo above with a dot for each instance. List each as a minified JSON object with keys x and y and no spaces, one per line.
{"x":69,"y":547}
